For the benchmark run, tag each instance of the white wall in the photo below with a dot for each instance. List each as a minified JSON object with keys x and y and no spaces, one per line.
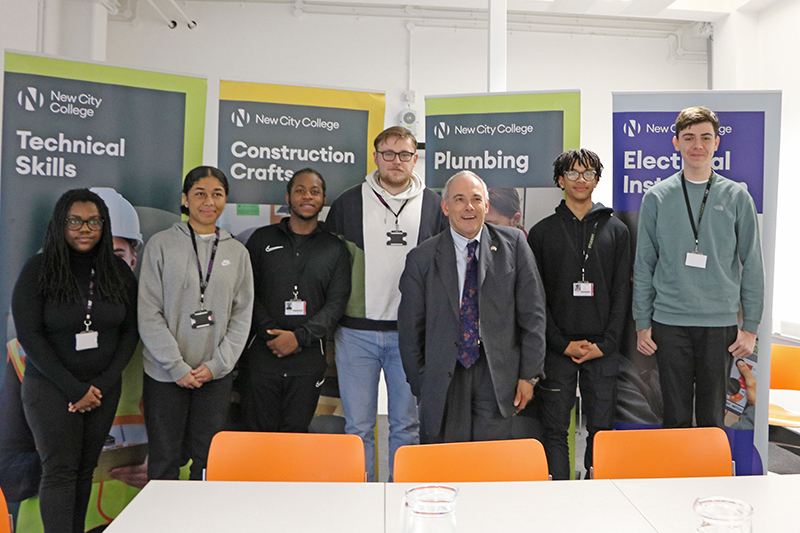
{"x":777,"y":68}
{"x":262,"y":42}
{"x":758,"y":51}
{"x":17,"y":32}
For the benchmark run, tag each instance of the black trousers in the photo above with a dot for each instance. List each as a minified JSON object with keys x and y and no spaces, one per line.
{"x":598,"y":379}
{"x":471,"y":412}
{"x":273,"y":402}
{"x":69,"y":445}
{"x":693,"y":364}
{"x":181,"y":422}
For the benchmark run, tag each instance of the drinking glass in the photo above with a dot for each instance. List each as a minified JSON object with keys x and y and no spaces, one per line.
{"x":430,"y":509}
{"x":718,"y":514}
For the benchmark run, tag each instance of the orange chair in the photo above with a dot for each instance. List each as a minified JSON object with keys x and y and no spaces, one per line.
{"x":784,"y":376}
{"x":5,"y":518}
{"x":653,"y":453}
{"x":784,"y":367}
{"x":248,"y":456}
{"x":498,"y":460}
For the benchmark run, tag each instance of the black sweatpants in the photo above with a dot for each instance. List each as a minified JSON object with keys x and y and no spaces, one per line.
{"x":181,"y":423}
{"x":69,"y":445}
{"x":274,"y":402}
{"x":598,"y":379}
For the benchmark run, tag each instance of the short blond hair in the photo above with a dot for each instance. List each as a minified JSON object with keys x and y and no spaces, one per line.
{"x":395,"y":131}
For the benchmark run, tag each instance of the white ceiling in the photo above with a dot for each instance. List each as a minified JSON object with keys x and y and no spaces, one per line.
{"x":688,"y":10}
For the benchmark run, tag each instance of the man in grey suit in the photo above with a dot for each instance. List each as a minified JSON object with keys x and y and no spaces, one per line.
{"x":471,"y":321}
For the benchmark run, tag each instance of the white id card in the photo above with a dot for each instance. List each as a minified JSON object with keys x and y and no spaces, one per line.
{"x":583,"y":288}
{"x":295,"y":307}
{"x":85,"y":340}
{"x":696,"y":260}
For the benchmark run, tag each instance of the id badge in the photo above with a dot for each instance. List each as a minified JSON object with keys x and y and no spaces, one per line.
{"x":294,"y":308}
{"x":85,"y":340}
{"x":201,"y":319}
{"x":583,"y":288}
{"x":696,"y":260}
{"x":396,"y":238}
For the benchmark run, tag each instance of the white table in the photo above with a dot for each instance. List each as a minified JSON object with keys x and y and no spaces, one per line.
{"x":620,"y":506}
{"x":563,"y":506}
{"x":784,"y":409}
{"x":218,"y":506}
{"x":667,"y":503}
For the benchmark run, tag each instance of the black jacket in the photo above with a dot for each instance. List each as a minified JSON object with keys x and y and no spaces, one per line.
{"x":558,"y":243}
{"x":319,"y":265}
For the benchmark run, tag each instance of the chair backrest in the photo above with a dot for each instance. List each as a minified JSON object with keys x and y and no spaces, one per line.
{"x":785,"y":367}
{"x":5,"y":518}
{"x":654,"y":453}
{"x":249,"y":456}
{"x":499,"y":460}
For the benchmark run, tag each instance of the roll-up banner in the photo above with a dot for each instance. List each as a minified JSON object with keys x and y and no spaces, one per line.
{"x":68,"y":125}
{"x":749,"y":133}
{"x":131,"y":136}
{"x":266,"y":132}
{"x":508,"y":139}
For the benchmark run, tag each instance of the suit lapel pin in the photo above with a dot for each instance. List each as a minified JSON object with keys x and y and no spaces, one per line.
{"x":493,"y":248}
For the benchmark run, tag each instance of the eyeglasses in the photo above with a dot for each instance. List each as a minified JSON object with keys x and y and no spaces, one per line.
{"x":405,"y":157}
{"x":588,"y":175}
{"x":76,"y":223}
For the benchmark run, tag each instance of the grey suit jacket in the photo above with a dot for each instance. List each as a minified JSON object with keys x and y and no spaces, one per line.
{"x":512,"y":318}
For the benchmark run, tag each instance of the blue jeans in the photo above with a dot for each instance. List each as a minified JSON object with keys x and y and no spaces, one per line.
{"x":360,"y":355}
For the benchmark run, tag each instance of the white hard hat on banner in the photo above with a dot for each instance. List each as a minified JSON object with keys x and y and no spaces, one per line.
{"x":124,"y":220}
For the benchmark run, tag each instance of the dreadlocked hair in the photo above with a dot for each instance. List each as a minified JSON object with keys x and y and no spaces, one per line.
{"x":56,"y":280}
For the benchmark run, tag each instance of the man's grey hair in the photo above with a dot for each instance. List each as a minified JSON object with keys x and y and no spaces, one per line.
{"x":446,"y":189}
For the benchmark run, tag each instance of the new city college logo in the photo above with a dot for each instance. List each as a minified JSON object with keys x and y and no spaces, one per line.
{"x":441,"y":130}
{"x":240,"y":117}
{"x":631,"y":128}
{"x":30,"y":99}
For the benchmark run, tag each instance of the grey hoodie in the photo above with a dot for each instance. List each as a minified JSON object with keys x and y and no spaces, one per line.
{"x":169,"y":292}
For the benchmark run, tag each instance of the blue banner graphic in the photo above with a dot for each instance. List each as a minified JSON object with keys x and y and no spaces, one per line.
{"x":644,"y":153}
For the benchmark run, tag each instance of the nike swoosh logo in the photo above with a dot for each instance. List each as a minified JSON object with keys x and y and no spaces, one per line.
{"x":269,"y":249}
{"x":319,"y":383}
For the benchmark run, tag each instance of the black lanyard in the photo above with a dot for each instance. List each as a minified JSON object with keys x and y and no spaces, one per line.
{"x":696,"y":228}
{"x":585,"y":253}
{"x":588,"y":249}
{"x":88,"y":320}
{"x":396,"y":215}
{"x":204,"y":284}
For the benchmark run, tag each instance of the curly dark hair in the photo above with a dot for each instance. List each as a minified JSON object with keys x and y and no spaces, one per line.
{"x":585,"y":157}
{"x":56,"y":280}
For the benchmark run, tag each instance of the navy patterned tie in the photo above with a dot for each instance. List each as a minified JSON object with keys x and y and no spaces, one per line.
{"x":468,"y":347}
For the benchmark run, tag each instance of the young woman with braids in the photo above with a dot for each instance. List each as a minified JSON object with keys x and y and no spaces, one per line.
{"x":74,"y":308}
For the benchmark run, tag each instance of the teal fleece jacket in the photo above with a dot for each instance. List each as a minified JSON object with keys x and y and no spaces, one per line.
{"x":668,"y":291}
{"x":169,"y":292}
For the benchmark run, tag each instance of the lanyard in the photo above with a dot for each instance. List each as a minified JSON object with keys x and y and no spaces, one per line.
{"x":204,"y":283}
{"x":88,"y":320}
{"x":696,"y":228}
{"x":585,"y":253}
{"x":588,"y":249}
{"x":396,"y":215}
